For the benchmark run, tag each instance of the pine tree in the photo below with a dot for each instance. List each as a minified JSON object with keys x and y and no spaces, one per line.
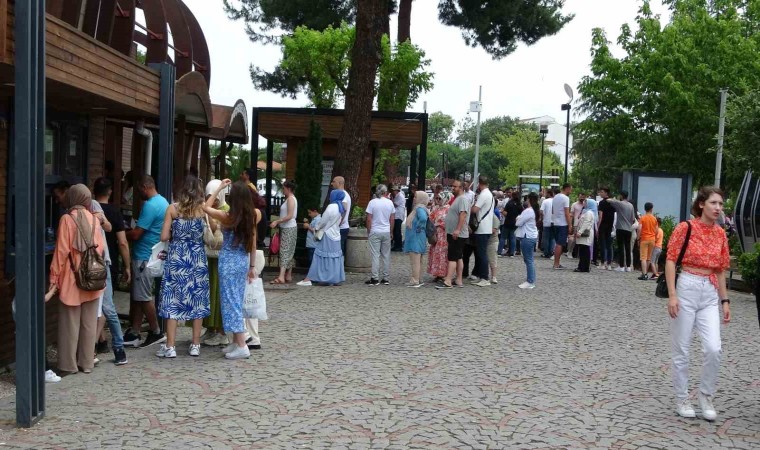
{"x":309,"y":171}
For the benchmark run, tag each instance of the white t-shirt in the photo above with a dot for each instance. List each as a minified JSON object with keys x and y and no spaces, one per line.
{"x":470,"y":197}
{"x":485,"y":215}
{"x":400,"y":202}
{"x":546,"y":208}
{"x":560,"y":202}
{"x":382,"y":210}
{"x":347,"y":200}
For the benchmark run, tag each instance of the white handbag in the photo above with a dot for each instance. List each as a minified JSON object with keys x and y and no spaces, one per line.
{"x":155,"y":265}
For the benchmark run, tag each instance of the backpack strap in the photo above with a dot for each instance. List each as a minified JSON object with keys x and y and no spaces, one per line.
{"x":684,"y":246}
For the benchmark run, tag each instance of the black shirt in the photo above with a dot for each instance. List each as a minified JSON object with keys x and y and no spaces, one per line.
{"x":513,"y":209}
{"x":113,"y":214}
{"x":608,"y":214}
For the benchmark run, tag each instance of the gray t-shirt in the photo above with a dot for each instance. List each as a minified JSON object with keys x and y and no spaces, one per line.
{"x":452,"y":216}
{"x":626,"y":216}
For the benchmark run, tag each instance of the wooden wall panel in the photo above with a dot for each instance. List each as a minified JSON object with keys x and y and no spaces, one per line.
{"x":96,"y":149}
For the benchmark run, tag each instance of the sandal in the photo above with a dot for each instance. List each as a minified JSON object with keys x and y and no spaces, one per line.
{"x":276,"y":281}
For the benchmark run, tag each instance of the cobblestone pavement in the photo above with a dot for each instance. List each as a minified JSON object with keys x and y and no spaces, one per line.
{"x":580,"y":362}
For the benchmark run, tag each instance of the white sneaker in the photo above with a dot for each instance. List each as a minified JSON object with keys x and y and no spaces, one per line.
{"x":207,"y":335}
{"x":217,"y":340}
{"x":607,"y":267}
{"x":472,"y":278}
{"x":705,"y":404}
{"x":483,"y":283}
{"x":230,"y":347}
{"x":239,"y":353}
{"x":527,"y":285}
{"x":494,"y":280}
{"x":304,"y":283}
{"x":684,"y":409}
{"x":629,"y":269}
{"x":51,"y":377}
{"x":620,"y":269}
{"x":195,"y":350}
{"x":166,"y":352}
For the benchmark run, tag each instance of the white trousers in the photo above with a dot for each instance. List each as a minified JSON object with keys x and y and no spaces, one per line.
{"x":380,"y":249}
{"x":252,"y":327}
{"x":698,"y":307}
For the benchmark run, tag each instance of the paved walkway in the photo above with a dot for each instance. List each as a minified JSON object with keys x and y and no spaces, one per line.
{"x":580,"y":362}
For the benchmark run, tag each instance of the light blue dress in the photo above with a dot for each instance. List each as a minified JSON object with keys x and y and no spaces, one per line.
{"x":415,"y":240}
{"x":233,"y":275}
{"x":185,"y":287}
{"x":327,"y":265}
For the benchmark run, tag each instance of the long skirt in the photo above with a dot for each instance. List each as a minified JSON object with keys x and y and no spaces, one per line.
{"x":233,"y":264}
{"x":438,"y":262}
{"x":288,"y":238}
{"x":214,"y":320}
{"x":327,"y":266}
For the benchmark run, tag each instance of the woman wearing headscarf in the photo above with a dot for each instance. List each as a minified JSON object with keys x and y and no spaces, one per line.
{"x":584,"y":238}
{"x":438,"y":264}
{"x":78,"y":312}
{"x":415,"y":241}
{"x":327,"y":266}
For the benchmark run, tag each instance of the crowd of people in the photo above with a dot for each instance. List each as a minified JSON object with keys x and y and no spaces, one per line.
{"x":214,"y":234}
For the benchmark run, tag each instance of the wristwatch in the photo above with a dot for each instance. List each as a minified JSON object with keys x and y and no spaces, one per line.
{"x":725,"y":300}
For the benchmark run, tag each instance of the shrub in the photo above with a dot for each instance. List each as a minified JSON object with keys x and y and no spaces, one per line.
{"x":358,"y":217}
{"x":748,"y":265}
{"x":668,"y":225}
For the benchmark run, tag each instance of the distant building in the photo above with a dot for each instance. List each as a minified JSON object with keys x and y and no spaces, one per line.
{"x":555,"y":139}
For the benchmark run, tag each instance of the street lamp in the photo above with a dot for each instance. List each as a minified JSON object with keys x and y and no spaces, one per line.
{"x":477,"y":107}
{"x":567,"y":107}
{"x":544,"y":130}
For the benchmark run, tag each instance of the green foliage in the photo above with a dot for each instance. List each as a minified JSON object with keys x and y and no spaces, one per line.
{"x":402,"y":76}
{"x":749,"y":267}
{"x":263,"y":18}
{"x":430,"y":173}
{"x":656,"y":107}
{"x":522,"y":150}
{"x":743,"y":137}
{"x":384,"y":159}
{"x":309,"y":171}
{"x":668,"y":225}
{"x":498,"y":26}
{"x":440,"y":127}
{"x":358,"y":217}
{"x":735,"y":245}
{"x":489,"y":129}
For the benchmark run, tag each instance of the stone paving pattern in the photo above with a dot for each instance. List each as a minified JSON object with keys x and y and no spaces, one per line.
{"x":580,"y":362}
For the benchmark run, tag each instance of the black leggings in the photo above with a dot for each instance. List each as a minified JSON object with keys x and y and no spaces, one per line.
{"x":624,"y":248}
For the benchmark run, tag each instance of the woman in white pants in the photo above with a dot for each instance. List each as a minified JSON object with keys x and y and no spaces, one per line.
{"x":696,"y":300}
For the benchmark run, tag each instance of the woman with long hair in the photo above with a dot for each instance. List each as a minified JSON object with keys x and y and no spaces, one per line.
{"x":78,"y":313}
{"x":697,"y":297}
{"x":185,"y":284}
{"x":214,"y":335}
{"x":288,"y":233}
{"x":327,"y":266}
{"x":438,"y":263}
{"x":415,"y":240}
{"x":237,"y":260}
{"x":527,"y":232}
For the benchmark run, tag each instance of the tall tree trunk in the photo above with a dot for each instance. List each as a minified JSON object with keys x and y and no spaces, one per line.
{"x":404,"y":20}
{"x":354,"y":140}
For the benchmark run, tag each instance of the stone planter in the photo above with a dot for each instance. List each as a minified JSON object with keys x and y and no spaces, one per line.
{"x":358,"y":258}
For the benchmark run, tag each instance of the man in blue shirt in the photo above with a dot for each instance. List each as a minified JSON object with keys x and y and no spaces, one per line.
{"x":145,"y":235}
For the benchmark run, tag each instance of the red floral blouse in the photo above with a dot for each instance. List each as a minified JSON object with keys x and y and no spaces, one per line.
{"x":708,"y":247}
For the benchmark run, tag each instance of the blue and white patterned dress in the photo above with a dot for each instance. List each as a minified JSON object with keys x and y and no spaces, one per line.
{"x":185,"y":287}
{"x":233,"y":276}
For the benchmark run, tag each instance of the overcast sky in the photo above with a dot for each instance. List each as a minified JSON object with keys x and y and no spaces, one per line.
{"x":528,"y":83}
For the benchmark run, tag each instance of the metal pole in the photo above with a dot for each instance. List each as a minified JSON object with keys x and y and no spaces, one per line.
{"x":721,"y":130}
{"x":567,"y":140}
{"x":477,"y":138}
{"x":541,"y":176}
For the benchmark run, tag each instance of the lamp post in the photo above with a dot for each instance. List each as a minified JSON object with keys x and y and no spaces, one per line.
{"x":567,"y":107}
{"x":544,"y":130}
{"x":477,"y":107}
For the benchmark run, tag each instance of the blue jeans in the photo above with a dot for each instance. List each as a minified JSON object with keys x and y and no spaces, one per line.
{"x":548,"y":243}
{"x":481,"y":256}
{"x":512,"y":240}
{"x":502,"y":238}
{"x":605,"y":243}
{"x":112,"y":318}
{"x":527,"y":245}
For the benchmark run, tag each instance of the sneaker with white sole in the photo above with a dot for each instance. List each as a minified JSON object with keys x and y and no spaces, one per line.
{"x":230,"y":347}
{"x":483,"y":283}
{"x":620,"y":269}
{"x":217,"y":340}
{"x":494,"y":280}
{"x":527,"y":285}
{"x":195,"y":350}
{"x":473,"y":278}
{"x":707,"y":408}
{"x":207,"y":335}
{"x":239,"y":353}
{"x":304,"y":283}
{"x":51,"y":377}
{"x":629,"y":269}
{"x":166,"y":352}
{"x":684,"y":409}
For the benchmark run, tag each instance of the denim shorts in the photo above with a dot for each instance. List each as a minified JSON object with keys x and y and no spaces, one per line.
{"x":560,"y":234}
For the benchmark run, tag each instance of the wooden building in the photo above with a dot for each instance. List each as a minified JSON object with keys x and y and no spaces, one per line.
{"x":290,"y":126}
{"x":103,"y":107}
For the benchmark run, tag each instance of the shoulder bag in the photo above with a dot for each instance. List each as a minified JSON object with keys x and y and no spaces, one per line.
{"x":662,"y":285}
{"x":212,"y":240}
